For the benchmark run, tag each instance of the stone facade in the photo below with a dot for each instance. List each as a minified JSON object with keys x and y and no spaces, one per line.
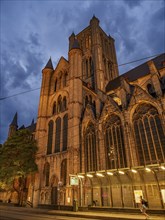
{"x":89,"y":123}
{"x":98,"y":129}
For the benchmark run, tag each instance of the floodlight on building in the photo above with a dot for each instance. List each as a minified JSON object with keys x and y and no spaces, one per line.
{"x":110,"y":173}
{"x":162,"y":167}
{"x":121,"y":172}
{"x":147,"y":169}
{"x":100,"y":174}
{"x":89,"y":175}
{"x":80,"y":176}
{"x":134,"y":171}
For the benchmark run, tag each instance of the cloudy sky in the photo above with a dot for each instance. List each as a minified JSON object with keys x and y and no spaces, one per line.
{"x":33,"y":30}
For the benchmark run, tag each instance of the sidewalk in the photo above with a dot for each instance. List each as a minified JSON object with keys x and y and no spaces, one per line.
{"x":88,"y":214}
{"x":105,"y":215}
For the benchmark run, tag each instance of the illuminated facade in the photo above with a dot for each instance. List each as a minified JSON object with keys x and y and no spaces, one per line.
{"x":99,"y":127}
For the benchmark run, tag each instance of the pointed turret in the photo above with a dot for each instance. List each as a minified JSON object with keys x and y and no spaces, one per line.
{"x":13,"y":126}
{"x":71,"y":40}
{"x":75,"y":44}
{"x":14,"y":121}
{"x":49,"y":64}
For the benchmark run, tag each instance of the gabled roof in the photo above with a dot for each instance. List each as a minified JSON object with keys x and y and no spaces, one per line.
{"x":136,"y":73}
{"x":61,"y":62}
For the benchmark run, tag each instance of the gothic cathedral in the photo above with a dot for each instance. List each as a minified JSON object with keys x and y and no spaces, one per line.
{"x":101,"y":135}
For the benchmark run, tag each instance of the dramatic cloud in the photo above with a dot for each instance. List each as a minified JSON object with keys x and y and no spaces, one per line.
{"x":32,"y":31}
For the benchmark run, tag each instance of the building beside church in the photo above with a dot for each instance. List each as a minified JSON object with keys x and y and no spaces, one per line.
{"x":101,"y":135}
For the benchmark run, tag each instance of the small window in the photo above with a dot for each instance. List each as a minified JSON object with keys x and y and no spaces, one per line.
{"x":65,"y":78}
{"x":64,"y":104}
{"x":59,"y":104}
{"x":55,"y":86}
{"x":59,"y":83}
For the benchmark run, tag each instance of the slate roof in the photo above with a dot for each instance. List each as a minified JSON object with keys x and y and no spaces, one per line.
{"x":49,"y":65}
{"x":75,"y":44}
{"x":136,"y":73}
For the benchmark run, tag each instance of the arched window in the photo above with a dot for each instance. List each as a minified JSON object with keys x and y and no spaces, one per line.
{"x":55,"y":86}
{"x":63,"y":171}
{"x":54,"y":108}
{"x":151,"y":90}
{"x":114,"y":142}
{"x":149,"y":135}
{"x":90,"y":149}
{"x":59,"y":104}
{"x":86,"y":67}
{"x":65,"y":132}
{"x":47,"y":173}
{"x":90,"y":63}
{"x":50,"y":137}
{"x":58,"y":135}
{"x":64,"y":104}
{"x":65,"y":78}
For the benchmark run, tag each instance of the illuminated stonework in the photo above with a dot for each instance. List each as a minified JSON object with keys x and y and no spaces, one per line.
{"x":91,"y":120}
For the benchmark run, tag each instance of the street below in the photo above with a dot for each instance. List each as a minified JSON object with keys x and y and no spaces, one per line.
{"x":11,"y":212}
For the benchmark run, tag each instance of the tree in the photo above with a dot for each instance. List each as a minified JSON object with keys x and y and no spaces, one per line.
{"x":17,"y":162}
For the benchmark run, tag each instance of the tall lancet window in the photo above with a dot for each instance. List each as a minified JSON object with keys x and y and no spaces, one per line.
{"x":65,"y":132}
{"x":58,"y":135}
{"x":55,"y":86}
{"x":65,"y":78}
{"x":86,"y":67}
{"x":149,"y":135}
{"x":114,"y":142}
{"x":59,"y":104}
{"x":64,"y":106}
{"x":90,"y":149}
{"x":50,"y":137}
{"x":47,"y":173}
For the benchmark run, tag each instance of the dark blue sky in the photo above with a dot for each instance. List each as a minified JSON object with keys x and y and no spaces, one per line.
{"x":32,"y":31}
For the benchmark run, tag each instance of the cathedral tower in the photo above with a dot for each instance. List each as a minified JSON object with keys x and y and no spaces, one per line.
{"x":75,"y":100}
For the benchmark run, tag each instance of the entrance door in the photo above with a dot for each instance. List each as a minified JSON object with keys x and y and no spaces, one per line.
{"x":54,"y":196}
